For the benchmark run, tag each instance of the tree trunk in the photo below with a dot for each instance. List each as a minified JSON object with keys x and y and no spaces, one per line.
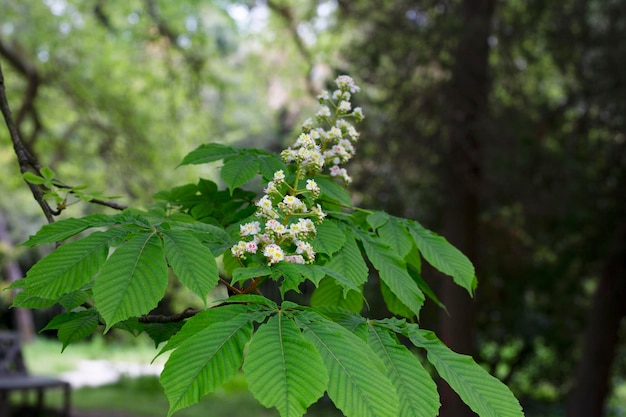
{"x":467,"y":100}
{"x":23,"y":317}
{"x":600,"y":339}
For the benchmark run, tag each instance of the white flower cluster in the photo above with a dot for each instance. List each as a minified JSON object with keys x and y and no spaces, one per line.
{"x":288,"y":213}
{"x":328,"y":139}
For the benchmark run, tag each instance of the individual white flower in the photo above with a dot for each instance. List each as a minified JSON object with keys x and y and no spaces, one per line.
{"x":275,"y":227}
{"x":353,"y":133}
{"x":279,"y":176}
{"x":239,"y":249}
{"x":324,"y":111}
{"x":248,"y":229}
{"x":312,"y":186}
{"x":251,"y":247}
{"x":335,"y":171}
{"x":307,"y":125}
{"x":323,"y":96}
{"x":307,"y":225}
{"x":270,"y":188}
{"x":346,"y":83}
{"x":294,"y":259}
{"x":288,"y":155}
{"x":303,"y":247}
{"x":337,"y":95}
{"x":273,"y":253}
{"x":358,"y":114}
{"x":344,"y":106}
{"x":318,"y":212}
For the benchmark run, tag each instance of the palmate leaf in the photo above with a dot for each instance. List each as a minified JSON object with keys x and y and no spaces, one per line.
{"x":352,"y":271}
{"x":206,"y":360}
{"x":71,"y":266}
{"x":133,"y":279}
{"x":63,"y":229}
{"x":191,"y":261}
{"x":483,"y":393}
{"x":393,"y":273}
{"x":238,"y":170}
{"x":443,"y":256}
{"x":284,"y":370}
{"x":416,"y":389}
{"x":357,"y":383}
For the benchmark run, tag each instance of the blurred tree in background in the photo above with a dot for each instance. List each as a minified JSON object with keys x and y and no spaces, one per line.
{"x":498,"y":123}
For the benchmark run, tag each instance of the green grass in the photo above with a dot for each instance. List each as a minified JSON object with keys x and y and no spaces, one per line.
{"x":143,"y":396}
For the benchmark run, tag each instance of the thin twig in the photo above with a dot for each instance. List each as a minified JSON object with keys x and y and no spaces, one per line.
{"x":162,"y":318}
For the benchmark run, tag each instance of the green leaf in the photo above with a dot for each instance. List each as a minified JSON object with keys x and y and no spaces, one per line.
{"x":333,"y":191}
{"x":47,"y":173}
{"x":215,"y":237}
{"x":270,"y":163}
{"x":394,"y":304}
{"x":33,"y":178}
{"x":329,"y":293}
{"x":443,"y":256}
{"x":74,"y":299}
{"x":393,"y":273}
{"x":133,"y":279}
{"x":377,"y":219}
{"x":71,"y":266}
{"x":394,"y":234}
{"x":191,"y":261}
{"x":295,"y":274}
{"x":239,"y":170}
{"x":351,"y":270}
{"x":24,"y":300}
{"x":208,"y":153}
{"x":282,"y":369}
{"x":416,"y":389}
{"x":203,"y":320}
{"x":63,"y":229}
{"x":162,"y":332}
{"x":329,"y":238}
{"x":242,"y":274}
{"x":74,"y":326}
{"x":205,"y":361}
{"x":357,"y":382}
{"x":483,"y":393}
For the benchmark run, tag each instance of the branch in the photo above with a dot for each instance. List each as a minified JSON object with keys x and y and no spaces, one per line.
{"x":162,"y":318}
{"x":25,"y":159}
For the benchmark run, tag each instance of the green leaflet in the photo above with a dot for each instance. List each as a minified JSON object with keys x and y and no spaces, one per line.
{"x":24,"y":300}
{"x":269,"y":164}
{"x":329,"y":293}
{"x":205,"y":360}
{"x":209,"y":152}
{"x":443,"y":256}
{"x":351,"y":270}
{"x":357,"y":382}
{"x":394,"y":234}
{"x":295,"y":274}
{"x":71,"y":266}
{"x":132,"y":280}
{"x":74,"y":326}
{"x":203,"y":320}
{"x":162,"y":332}
{"x":329,"y":238}
{"x":238,"y":170}
{"x":483,"y":393}
{"x":416,"y":389}
{"x":393,"y":273}
{"x":333,"y":191}
{"x":63,"y":229}
{"x":191,"y":261}
{"x":392,"y":302}
{"x":242,"y":274}
{"x":284,"y":370}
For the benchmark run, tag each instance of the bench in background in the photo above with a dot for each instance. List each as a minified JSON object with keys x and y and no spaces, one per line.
{"x":15,"y":377}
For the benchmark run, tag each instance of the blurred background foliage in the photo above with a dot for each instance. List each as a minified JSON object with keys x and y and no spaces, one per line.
{"x":499,"y":123}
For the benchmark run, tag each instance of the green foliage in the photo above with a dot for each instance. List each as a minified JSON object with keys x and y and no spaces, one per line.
{"x":303,"y":230}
